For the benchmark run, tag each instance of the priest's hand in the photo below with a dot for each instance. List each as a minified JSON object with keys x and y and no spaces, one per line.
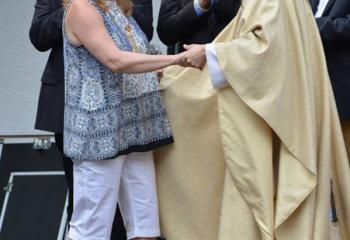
{"x":195,"y":56}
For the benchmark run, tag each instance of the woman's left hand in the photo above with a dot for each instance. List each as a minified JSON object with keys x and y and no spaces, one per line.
{"x":160,"y":74}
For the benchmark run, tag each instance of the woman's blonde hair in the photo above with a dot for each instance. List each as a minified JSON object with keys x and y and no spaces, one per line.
{"x":125,"y":5}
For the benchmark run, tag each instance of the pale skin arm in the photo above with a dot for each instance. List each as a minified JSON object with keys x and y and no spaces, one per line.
{"x":85,"y":27}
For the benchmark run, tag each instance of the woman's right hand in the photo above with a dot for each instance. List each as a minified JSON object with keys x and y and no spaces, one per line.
{"x":180,"y":59}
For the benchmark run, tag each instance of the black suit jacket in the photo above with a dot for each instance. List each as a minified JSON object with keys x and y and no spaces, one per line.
{"x":179,"y":24}
{"x":334,"y":26}
{"x":46,"y":34}
{"x":143,"y":14}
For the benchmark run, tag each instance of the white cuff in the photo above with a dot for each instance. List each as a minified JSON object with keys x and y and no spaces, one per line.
{"x":217,"y":77}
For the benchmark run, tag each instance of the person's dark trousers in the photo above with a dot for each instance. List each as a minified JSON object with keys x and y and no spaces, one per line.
{"x":118,"y":231}
{"x":68,"y":170}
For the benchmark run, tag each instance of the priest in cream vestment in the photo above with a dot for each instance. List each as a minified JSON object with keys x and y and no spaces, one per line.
{"x":254,"y":158}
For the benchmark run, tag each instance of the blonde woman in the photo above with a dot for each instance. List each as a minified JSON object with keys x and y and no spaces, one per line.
{"x":114,"y":118}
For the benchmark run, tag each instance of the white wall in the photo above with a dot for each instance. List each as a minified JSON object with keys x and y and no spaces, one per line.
{"x":21,"y":67}
{"x":155,"y":40}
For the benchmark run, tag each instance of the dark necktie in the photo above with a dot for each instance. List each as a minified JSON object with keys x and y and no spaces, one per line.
{"x":212,"y":21}
{"x":314,"y":5}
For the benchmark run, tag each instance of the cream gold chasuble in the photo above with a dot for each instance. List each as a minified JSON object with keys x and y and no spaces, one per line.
{"x":226,"y":178}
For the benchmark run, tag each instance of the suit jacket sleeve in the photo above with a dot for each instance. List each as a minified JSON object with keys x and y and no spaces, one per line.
{"x":46,"y":29}
{"x":227,"y":8}
{"x":335,"y":30}
{"x":143,"y":14}
{"x":174,"y":22}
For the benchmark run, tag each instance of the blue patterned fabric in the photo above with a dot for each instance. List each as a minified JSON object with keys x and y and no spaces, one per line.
{"x":109,"y":114}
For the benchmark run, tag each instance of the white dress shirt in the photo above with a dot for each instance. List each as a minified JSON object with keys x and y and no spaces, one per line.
{"x":321,"y":7}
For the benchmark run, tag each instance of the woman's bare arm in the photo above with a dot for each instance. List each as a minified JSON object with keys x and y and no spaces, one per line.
{"x":84,"y":26}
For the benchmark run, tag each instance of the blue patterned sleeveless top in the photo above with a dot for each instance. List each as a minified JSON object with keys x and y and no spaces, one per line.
{"x":109,"y":114}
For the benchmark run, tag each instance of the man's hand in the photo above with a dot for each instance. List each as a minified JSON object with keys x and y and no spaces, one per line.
{"x":195,"y":56}
{"x":205,"y":4}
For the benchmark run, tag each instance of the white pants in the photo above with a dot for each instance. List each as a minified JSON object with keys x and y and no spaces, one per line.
{"x":98,"y":185}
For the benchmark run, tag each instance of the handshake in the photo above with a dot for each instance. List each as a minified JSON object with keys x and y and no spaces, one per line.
{"x":194,"y":56}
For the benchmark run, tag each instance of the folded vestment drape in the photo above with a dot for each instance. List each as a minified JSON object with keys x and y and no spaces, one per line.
{"x":225,"y":178}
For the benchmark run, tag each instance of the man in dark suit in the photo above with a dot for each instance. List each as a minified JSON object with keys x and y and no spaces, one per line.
{"x":333,"y":20}
{"x":46,"y":34}
{"x":193,"y":21}
{"x":143,"y":14}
